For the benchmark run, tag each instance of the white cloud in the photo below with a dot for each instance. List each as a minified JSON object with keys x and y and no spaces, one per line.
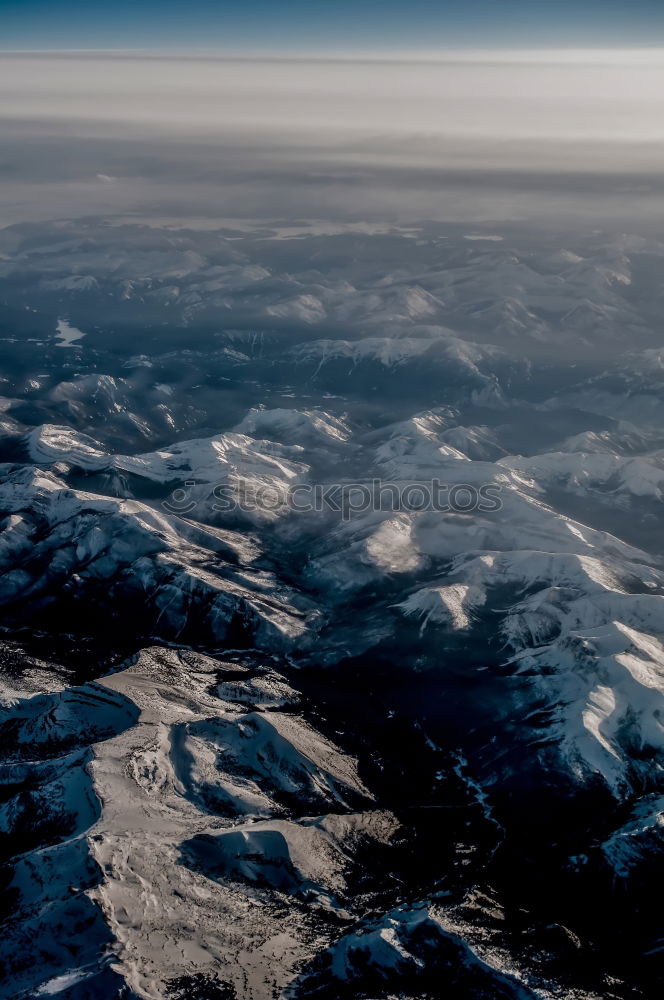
{"x":371,"y":136}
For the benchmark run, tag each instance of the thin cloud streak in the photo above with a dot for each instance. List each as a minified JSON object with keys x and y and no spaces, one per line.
{"x":350,"y":136}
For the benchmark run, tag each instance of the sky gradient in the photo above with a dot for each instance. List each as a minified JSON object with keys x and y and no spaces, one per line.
{"x":345,"y":25}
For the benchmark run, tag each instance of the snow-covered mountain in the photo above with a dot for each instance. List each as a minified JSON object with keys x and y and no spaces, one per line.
{"x":260,"y":739}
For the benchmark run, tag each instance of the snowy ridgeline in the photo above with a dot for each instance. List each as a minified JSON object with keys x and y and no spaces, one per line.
{"x":346,"y":794}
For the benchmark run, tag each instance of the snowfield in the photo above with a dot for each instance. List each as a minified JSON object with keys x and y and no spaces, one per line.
{"x":252,"y":750}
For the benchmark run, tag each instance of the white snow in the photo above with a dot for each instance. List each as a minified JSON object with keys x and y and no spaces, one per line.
{"x":67,"y":334}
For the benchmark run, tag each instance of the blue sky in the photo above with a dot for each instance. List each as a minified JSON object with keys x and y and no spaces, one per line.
{"x":318,"y":24}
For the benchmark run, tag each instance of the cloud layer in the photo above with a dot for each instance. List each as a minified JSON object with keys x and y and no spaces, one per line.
{"x":485,"y":135}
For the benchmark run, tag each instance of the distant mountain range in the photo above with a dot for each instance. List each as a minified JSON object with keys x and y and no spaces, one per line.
{"x":257,"y":750}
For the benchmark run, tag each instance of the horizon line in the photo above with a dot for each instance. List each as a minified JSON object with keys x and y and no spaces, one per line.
{"x":463,"y":53}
